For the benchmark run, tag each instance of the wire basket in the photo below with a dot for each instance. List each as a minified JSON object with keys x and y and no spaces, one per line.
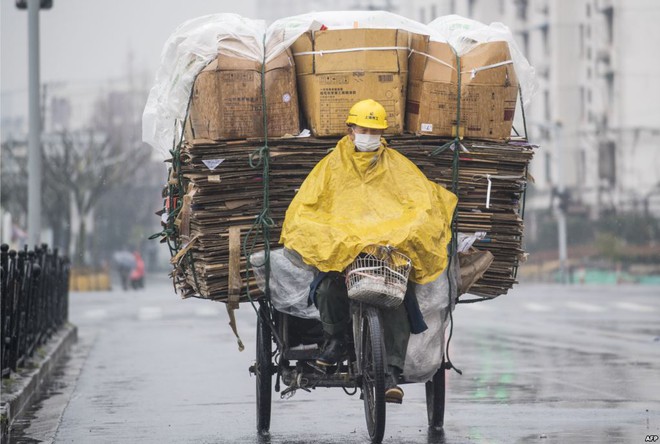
{"x":378,"y":276}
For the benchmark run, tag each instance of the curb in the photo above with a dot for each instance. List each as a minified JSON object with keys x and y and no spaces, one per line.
{"x":29,"y":382}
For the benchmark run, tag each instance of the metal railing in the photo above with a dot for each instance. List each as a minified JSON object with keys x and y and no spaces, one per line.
{"x":35,"y":301}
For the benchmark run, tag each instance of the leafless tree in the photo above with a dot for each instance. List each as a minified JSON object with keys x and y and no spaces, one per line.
{"x":88,"y":164}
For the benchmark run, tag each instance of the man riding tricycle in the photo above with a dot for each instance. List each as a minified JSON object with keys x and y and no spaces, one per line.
{"x":365,"y":249}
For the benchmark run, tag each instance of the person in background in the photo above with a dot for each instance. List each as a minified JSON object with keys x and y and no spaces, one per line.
{"x":125,"y":262}
{"x":137,"y":274}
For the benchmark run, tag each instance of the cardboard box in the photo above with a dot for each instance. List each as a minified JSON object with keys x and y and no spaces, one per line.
{"x":227,"y":99}
{"x":432,"y":86}
{"x":488,"y":93}
{"x":338,"y":68}
{"x":282,"y":96}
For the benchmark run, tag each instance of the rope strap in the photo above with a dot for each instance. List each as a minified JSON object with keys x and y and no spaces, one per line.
{"x":338,"y":51}
{"x":435,"y":59}
{"x":473,"y":72}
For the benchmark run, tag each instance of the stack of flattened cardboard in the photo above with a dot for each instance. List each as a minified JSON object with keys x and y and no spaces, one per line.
{"x":224,"y":195}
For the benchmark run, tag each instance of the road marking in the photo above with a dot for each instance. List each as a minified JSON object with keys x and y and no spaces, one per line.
{"x":97,"y":313}
{"x":581,"y":306}
{"x":150,"y":313}
{"x":631,"y":306}
{"x":476,"y":306}
{"x":533,"y":306}
{"x":206,"y":311}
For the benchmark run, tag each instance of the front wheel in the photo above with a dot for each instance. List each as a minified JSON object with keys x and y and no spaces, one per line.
{"x":435,"y":400}
{"x":372,"y":358}
{"x":263,"y":371}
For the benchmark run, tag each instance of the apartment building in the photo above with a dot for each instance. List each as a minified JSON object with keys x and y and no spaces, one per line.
{"x":595,"y":113}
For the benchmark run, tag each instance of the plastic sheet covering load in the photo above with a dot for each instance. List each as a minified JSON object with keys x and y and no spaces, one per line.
{"x":337,"y":68}
{"x":353,"y":199}
{"x":463,"y":34}
{"x":227,"y":99}
{"x":289,"y":282}
{"x":192,"y":46}
{"x":215,"y":195}
{"x":488,"y":90}
{"x":289,"y":290}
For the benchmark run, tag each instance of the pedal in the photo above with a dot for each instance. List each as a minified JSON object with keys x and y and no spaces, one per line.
{"x":318,"y":368}
{"x":288,"y":392}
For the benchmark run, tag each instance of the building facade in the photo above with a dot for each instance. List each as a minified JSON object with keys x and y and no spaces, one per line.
{"x":595,"y":114}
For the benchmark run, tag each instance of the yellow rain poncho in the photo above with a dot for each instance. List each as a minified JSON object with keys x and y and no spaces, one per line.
{"x":353,"y":199}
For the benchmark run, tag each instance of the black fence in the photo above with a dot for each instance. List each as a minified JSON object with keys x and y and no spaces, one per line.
{"x":35,"y":301}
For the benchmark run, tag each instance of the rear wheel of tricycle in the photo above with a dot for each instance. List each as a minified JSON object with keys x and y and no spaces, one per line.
{"x":373,"y":373}
{"x":263,"y":371}
{"x":435,"y":400}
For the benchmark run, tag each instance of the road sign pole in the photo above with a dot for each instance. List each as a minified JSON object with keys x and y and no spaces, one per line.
{"x":34,"y":131}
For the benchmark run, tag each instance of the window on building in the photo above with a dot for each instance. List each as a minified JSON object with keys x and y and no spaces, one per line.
{"x":609,"y":23}
{"x":471,"y":8}
{"x":434,"y":12}
{"x":582,"y":165}
{"x":452,"y":7}
{"x":524,"y":38}
{"x":501,"y":7}
{"x":422,"y":15}
{"x":589,"y":72}
{"x":609,"y":81}
{"x":607,"y":162}
{"x":548,"y":167}
{"x":546,"y":104}
{"x":583,"y":104}
{"x":521,"y":9}
{"x":581,"y":39}
{"x":545,"y":37}
{"x":588,"y":9}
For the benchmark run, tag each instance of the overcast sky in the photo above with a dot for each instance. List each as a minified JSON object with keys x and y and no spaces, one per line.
{"x":88,"y":40}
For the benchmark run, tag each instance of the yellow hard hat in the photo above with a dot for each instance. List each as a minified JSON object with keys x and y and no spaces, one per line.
{"x":368,"y":114}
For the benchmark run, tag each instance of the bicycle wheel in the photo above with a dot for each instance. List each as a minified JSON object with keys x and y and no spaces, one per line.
{"x":372,"y":359}
{"x":435,"y":400}
{"x":263,"y":372}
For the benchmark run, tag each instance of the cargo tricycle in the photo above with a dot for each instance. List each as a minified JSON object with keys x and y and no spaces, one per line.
{"x":288,"y":346}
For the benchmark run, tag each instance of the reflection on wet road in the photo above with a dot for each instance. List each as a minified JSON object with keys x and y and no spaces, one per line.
{"x":542,"y":364}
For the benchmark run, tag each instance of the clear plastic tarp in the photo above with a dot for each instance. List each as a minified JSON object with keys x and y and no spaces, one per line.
{"x":283,"y":32}
{"x":197,"y":42}
{"x":187,"y":51}
{"x":463,"y":34}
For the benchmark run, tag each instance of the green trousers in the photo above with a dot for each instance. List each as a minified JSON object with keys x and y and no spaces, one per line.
{"x":333,"y":304}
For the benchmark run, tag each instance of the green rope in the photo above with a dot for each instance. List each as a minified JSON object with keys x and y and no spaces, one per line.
{"x":263,"y":221}
{"x":454,"y":219}
{"x":524,"y":192}
{"x":522,"y":109}
{"x":174,"y":191}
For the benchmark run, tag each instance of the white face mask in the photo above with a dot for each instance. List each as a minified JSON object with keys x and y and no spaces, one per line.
{"x":367,"y":142}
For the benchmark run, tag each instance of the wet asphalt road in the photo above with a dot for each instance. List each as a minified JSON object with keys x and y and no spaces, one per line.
{"x":544,"y":364}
